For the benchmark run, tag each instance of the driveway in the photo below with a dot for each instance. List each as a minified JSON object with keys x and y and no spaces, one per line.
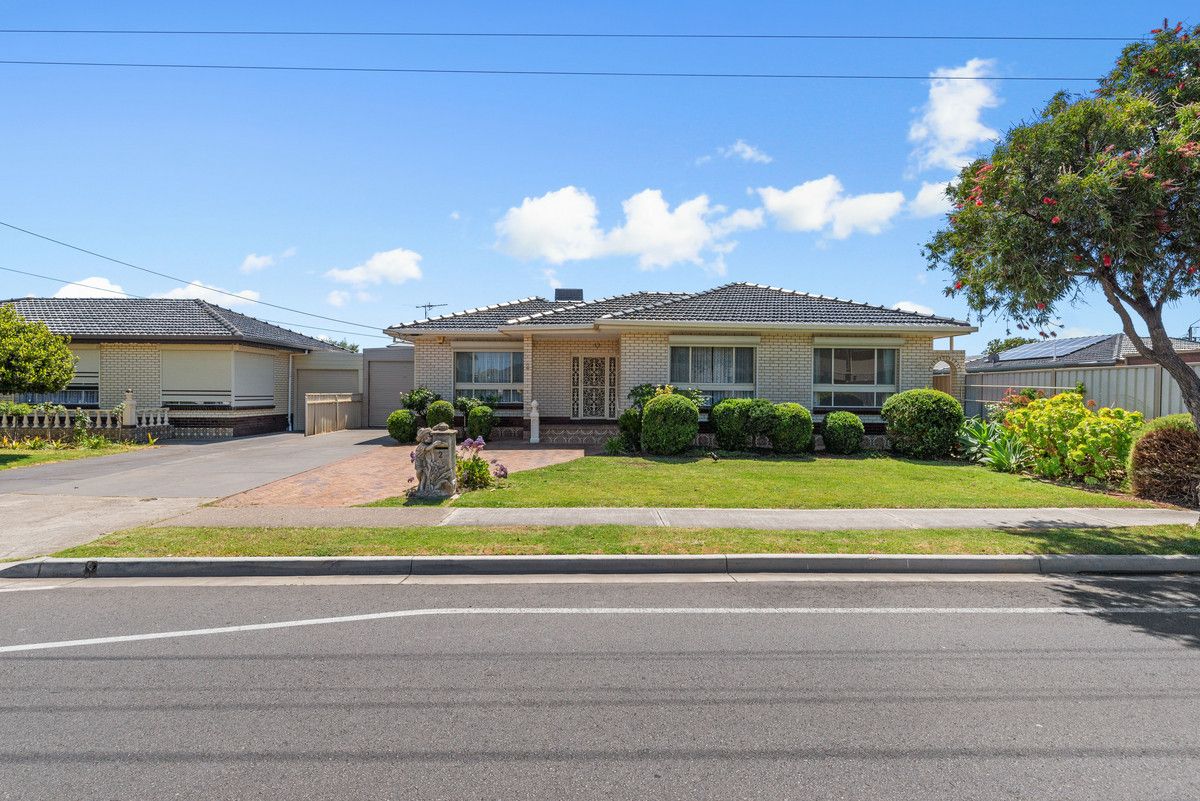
{"x":53,"y":506}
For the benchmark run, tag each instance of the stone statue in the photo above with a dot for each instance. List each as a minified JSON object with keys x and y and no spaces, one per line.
{"x":434,"y":462}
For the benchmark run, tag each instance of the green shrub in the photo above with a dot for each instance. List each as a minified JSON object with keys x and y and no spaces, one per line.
{"x":1176,"y":421}
{"x":1165,"y":465}
{"x":923,"y":423}
{"x":480,"y":421}
{"x":670,"y":423}
{"x":614,"y":446}
{"x":760,"y":419}
{"x":1066,"y":438}
{"x":418,"y":400}
{"x":729,"y":424}
{"x":843,"y":432}
{"x":15,"y":409}
{"x":402,"y":425}
{"x":793,"y":429}
{"x":465,"y":403}
{"x":1006,"y":453}
{"x":439,"y":411}
{"x":975,"y":438}
{"x":630,"y":426}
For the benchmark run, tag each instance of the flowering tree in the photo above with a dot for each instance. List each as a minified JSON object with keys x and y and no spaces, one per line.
{"x":1099,"y":192}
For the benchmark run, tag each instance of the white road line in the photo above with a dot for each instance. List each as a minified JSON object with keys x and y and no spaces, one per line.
{"x":538,"y":610}
{"x":31,"y":589}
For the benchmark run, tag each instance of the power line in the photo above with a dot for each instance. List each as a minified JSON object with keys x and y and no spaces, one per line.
{"x":576,"y":35}
{"x":205,"y":287}
{"x":567,"y":73}
{"x":123,"y":293}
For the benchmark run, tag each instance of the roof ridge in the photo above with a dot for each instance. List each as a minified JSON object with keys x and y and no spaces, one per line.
{"x":930,"y":316}
{"x":209,"y":309}
{"x":580,"y":304}
{"x":661,"y":303}
{"x":472,"y":311}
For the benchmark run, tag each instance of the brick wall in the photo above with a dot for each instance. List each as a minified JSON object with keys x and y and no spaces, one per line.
{"x":645,"y":359}
{"x":551,"y":374}
{"x":433,"y":367}
{"x":130,"y":365}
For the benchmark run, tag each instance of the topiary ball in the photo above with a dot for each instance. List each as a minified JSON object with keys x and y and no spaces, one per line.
{"x":793,"y":429}
{"x":402,"y":425}
{"x":729,"y":424}
{"x":842,"y":432}
{"x":439,"y":411}
{"x":923,"y":423}
{"x":480,"y":421}
{"x":670,"y":424}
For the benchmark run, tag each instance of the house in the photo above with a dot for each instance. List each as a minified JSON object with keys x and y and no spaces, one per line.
{"x":219,"y":372}
{"x":579,"y":359}
{"x":1111,"y":370}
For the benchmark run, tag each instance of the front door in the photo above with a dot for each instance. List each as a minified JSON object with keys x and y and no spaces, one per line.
{"x":593,"y":387}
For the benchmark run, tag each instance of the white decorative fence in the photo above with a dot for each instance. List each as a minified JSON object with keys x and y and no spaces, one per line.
{"x":60,"y":424}
{"x":331,"y":411}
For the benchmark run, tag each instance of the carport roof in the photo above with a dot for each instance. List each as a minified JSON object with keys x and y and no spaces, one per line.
{"x":158,"y":320}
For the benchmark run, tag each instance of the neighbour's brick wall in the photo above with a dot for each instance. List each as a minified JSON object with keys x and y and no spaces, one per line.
{"x":130,"y":365}
{"x":281,"y":383}
{"x":433,"y":367}
{"x":551,"y":373}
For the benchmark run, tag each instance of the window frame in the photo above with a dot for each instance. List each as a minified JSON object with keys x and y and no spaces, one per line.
{"x":735,"y":389}
{"x":499,"y":388}
{"x":833,"y":387}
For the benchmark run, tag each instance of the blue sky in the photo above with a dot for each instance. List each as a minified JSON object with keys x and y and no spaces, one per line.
{"x":358,"y":196}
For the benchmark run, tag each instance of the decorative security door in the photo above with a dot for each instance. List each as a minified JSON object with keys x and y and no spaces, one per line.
{"x":593,"y":387}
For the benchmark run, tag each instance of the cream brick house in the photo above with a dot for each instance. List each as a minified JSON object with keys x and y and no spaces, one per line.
{"x":579,"y":359}
{"x":221,"y":373}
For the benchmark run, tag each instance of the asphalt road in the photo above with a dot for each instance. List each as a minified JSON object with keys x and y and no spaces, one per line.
{"x":919,"y":693}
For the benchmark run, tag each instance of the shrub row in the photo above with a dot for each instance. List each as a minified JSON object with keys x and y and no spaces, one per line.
{"x":425,"y":407}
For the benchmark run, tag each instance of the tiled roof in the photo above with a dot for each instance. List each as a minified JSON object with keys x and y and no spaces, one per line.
{"x":483,"y":317}
{"x":1108,"y":350}
{"x":732,"y":303}
{"x":157,"y":319}
{"x":755,"y":303}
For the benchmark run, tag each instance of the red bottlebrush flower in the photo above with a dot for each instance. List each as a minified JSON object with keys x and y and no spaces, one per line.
{"x":1042,"y":334}
{"x":1154,"y":70}
{"x":1106,"y":260}
{"x":1041,"y":306}
{"x":1156,"y":30}
{"x":978,"y":202}
{"x":958,"y":284}
{"x":1077,"y":257}
{"x":1055,"y":220}
{"x":1191,"y":270}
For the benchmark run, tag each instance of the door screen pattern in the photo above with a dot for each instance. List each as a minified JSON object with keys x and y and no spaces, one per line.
{"x":593,"y":386}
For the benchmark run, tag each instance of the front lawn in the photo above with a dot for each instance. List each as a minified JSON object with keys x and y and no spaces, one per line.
{"x":823,"y":482}
{"x":629,"y":540}
{"x":23,"y":457}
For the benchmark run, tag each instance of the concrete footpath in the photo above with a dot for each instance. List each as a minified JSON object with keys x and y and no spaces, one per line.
{"x":782,"y":519}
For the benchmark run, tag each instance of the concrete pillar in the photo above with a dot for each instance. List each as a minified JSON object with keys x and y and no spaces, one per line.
{"x":129,"y":410}
{"x":535,"y":424}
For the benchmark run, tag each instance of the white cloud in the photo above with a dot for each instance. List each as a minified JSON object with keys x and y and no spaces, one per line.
{"x":454,"y":215}
{"x":563,"y":225}
{"x":745,"y":151}
{"x":551,"y":276}
{"x":949,"y":128}
{"x":822,"y":204}
{"x":390,"y":266}
{"x":337,"y":297}
{"x":254,"y":262}
{"x":211,"y":293}
{"x":931,"y":200}
{"x":909,"y":306}
{"x":921,"y":278}
{"x":94,"y":286}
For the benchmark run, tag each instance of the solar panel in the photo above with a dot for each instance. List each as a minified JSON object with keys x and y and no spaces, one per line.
{"x":1051,"y":348}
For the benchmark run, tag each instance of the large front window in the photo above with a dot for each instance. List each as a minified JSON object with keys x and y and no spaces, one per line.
{"x":71,"y":396}
{"x":853,"y":377}
{"x":718,"y":372}
{"x":490,"y":373}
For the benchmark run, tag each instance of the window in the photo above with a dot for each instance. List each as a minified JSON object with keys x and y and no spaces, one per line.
{"x":718,"y":372}
{"x":71,"y":396}
{"x":490,"y":373}
{"x":853,"y":378}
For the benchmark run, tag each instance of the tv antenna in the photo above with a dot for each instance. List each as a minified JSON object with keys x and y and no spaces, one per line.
{"x":428,"y":306}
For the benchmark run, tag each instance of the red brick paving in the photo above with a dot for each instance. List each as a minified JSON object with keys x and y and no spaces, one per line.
{"x":381,"y":472}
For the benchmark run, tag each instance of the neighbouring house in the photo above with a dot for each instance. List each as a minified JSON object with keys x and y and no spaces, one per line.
{"x":1111,"y":370}
{"x":218,"y":372}
{"x":579,"y":359}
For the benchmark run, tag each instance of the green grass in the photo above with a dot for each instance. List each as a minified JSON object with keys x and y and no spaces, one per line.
{"x":22,"y":457}
{"x":181,"y":541}
{"x":824,"y":482}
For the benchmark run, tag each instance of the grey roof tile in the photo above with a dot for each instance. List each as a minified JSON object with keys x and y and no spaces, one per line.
{"x":586,"y":312}
{"x":484,"y":317}
{"x":158,"y":319}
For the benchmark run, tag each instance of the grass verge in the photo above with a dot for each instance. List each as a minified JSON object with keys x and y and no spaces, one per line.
{"x":182,"y":541}
{"x":821,"y":482}
{"x":20,"y":457}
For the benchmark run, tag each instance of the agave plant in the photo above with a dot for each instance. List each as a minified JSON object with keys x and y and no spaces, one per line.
{"x":1007,"y":453}
{"x":975,"y":438}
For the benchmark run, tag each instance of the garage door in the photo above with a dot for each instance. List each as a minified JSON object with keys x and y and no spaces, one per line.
{"x":319,"y":381}
{"x":386,"y":380}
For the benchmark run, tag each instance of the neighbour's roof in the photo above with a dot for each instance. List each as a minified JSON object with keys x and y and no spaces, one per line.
{"x":157,"y":319}
{"x":1096,"y":350}
{"x":738,"y":303}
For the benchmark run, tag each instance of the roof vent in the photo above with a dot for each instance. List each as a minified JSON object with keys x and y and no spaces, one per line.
{"x":568,"y":294}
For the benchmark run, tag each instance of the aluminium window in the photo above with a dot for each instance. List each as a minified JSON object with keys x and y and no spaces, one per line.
{"x":718,"y":372}
{"x":853,"y":378}
{"x":70,"y":397}
{"x":490,"y":373}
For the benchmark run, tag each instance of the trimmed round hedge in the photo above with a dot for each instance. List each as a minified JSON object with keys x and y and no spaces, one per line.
{"x":923,"y":423}
{"x":630,"y":426}
{"x":793,"y":429}
{"x":669,"y":424}
{"x":1165,"y":466}
{"x":440,"y":411}
{"x":402,"y":425}
{"x":729,"y":424}
{"x":480,"y":421}
{"x":842,"y":432}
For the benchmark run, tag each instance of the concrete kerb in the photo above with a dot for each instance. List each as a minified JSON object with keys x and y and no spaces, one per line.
{"x":206,"y":567}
